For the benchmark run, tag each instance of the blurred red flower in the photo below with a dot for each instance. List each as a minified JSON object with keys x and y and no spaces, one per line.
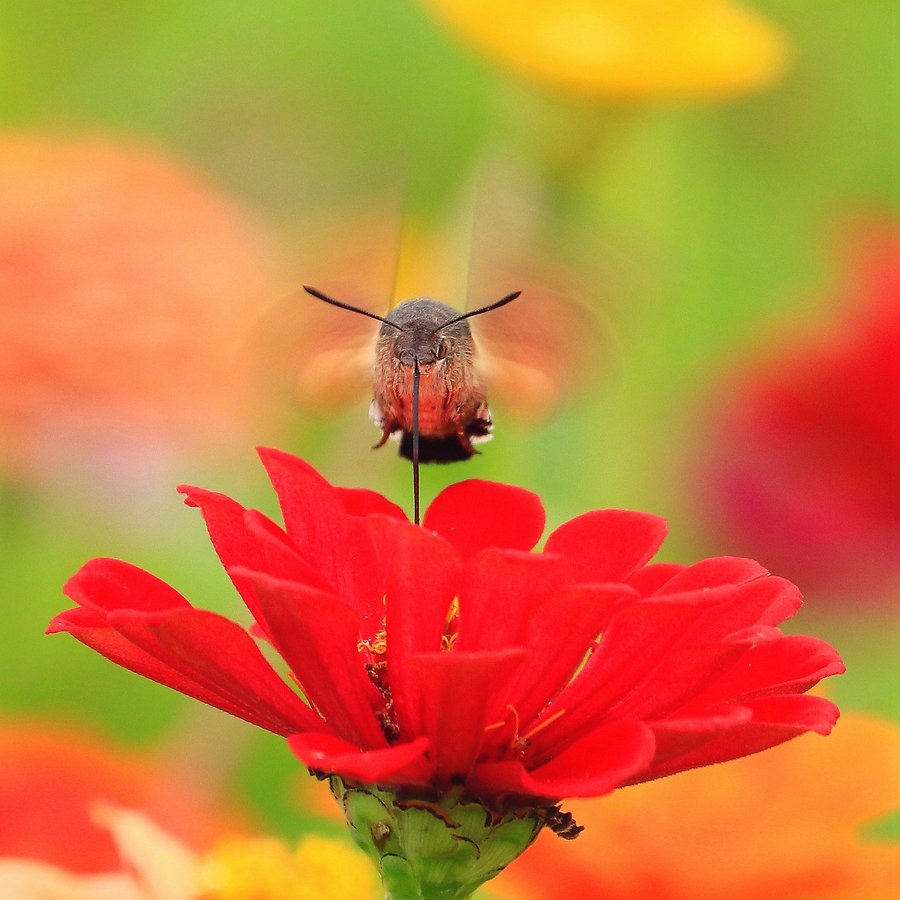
{"x":128,"y":287}
{"x":451,"y":654}
{"x":805,"y":469}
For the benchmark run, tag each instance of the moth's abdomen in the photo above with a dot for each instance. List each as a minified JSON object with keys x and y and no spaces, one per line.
{"x":450,"y":447}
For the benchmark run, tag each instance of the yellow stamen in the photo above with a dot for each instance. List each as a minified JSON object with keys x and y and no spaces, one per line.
{"x":525,"y":739}
{"x":451,"y":626}
{"x":502,"y":722}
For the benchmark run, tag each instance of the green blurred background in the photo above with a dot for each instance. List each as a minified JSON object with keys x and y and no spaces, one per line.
{"x":716,"y":221}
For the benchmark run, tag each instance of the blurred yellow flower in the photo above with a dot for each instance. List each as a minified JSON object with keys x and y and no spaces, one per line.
{"x":625,"y":49}
{"x":267,"y":869}
{"x":781,"y":825}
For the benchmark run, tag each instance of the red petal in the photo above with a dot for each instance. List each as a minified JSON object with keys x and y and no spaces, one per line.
{"x":364,"y":576}
{"x":639,"y":635}
{"x":474,"y":514}
{"x":363,"y":502}
{"x":680,"y":736}
{"x":594,"y":765}
{"x":314,"y":516}
{"x":215,"y":663}
{"x":654,"y":653}
{"x":759,"y":602}
{"x":607,"y":544}
{"x":112,"y":584}
{"x":402,"y":764}
{"x":773,"y":721}
{"x":783,"y":665}
{"x":651,"y":578}
{"x":317,"y":635}
{"x":500,"y":590}
{"x":714,"y":572}
{"x":559,"y":635}
{"x":336,"y":544}
{"x":247,"y":538}
{"x":422,"y":575}
{"x":462,"y":694}
{"x":678,"y":678}
{"x":218,"y":653}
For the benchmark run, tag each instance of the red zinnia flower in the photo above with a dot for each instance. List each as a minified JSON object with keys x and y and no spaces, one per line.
{"x":451,"y":655}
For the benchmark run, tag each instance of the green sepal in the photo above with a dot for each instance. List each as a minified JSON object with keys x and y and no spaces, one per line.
{"x":433,"y":849}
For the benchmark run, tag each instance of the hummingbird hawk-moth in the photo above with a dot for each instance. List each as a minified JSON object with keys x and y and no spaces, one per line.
{"x":425,"y":380}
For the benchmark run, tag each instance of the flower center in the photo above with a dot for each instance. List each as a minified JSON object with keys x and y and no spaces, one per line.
{"x":374,"y":652}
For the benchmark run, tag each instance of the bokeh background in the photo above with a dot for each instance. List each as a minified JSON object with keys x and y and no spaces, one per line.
{"x":171,"y":172}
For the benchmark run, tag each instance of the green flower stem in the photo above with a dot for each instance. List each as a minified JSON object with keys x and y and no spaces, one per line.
{"x":433,"y":849}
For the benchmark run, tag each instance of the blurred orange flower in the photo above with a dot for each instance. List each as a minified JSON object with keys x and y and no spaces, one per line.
{"x":53,"y":774}
{"x":776,"y":826}
{"x":128,"y":289}
{"x":625,"y":49}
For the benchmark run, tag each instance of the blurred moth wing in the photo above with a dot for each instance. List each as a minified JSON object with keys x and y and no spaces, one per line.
{"x":529,"y":357}
{"x":541,"y":352}
{"x":320,"y":357}
{"x":331,"y":366}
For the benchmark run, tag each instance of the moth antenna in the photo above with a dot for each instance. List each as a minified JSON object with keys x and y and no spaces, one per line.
{"x":415,"y":439}
{"x":363,"y":312}
{"x":477,"y":312}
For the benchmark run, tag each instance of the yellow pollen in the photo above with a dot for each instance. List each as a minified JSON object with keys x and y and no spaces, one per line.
{"x":376,"y":646}
{"x":451,"y":626}
{"x":318,"y":868}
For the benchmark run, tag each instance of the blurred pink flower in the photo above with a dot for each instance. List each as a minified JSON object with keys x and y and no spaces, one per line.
{"x":804,"y":470}
{"x":128,"y":288}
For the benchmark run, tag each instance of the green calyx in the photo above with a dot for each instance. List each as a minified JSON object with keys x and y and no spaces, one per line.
{"x":436,"y":848}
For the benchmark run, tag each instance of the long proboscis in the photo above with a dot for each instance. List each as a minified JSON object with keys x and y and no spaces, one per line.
{"x":363,"y":312}
{"x":415,"y":440}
